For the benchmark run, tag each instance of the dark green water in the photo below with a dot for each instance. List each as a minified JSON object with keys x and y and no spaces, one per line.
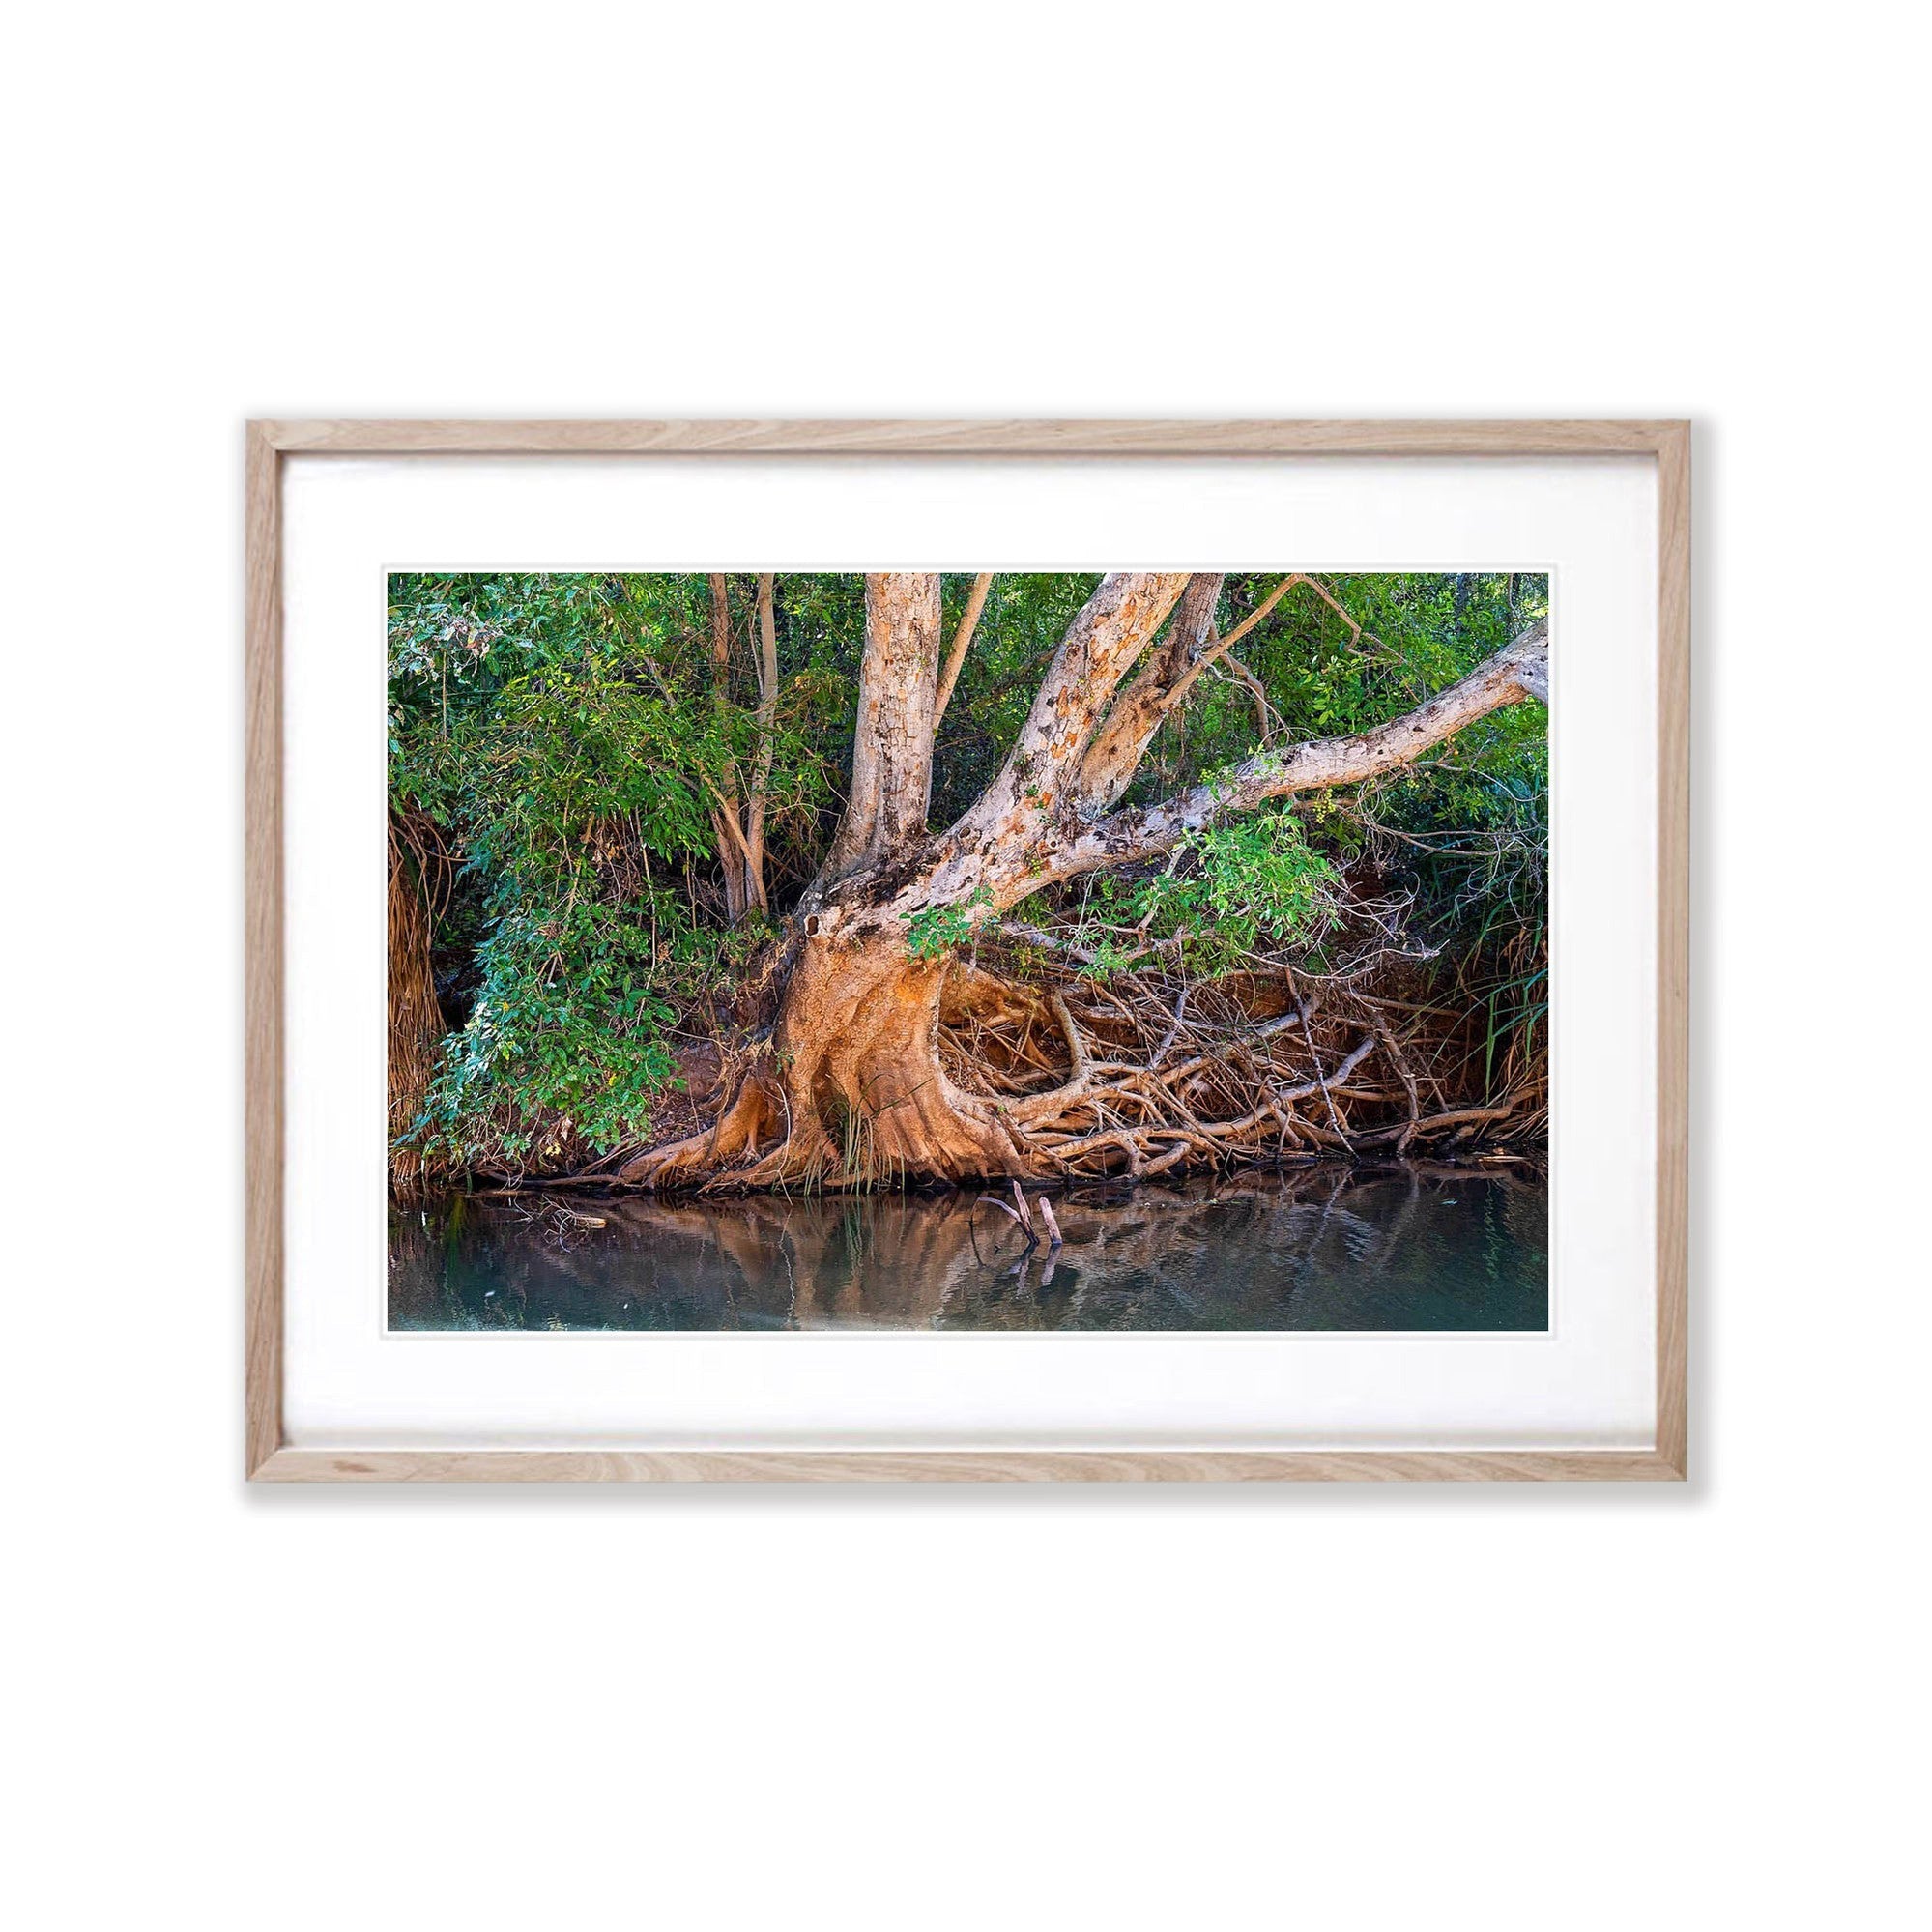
{"x":1322,"y":1247}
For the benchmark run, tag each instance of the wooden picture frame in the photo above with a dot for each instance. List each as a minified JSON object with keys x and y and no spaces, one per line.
{"x":269,"y":1458}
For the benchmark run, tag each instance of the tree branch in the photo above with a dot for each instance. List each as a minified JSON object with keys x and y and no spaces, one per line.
{"x":961,"y":644}
{"x":1223,"y":645}
{"x":1109,"y":763}
{"x":1518,"y":671}
{"x":741,"y":873}
{"x":1112,"y":630}
{"x":725,"y":818}
{"x":1016,"y":813}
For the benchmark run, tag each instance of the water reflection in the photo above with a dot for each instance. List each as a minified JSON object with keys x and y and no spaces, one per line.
{"x":1329,"y":1247}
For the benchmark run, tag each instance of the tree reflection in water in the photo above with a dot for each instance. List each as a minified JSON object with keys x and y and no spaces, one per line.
{"x":1325,"y":1247}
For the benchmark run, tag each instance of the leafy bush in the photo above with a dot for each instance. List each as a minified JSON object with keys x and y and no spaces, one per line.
{"x":565,"y":733}
{"x":937,"y":929}
{"x":1230,"y":890}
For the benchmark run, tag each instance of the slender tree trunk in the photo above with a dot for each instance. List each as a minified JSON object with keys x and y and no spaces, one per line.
{"x":956,"y":654}
{"x":416,"y":1019}
{"x":737,"y":820}
{"x":767,"y":711}
{"x":726,"y":828}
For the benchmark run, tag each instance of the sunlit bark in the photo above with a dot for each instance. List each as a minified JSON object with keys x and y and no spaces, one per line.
{"x":853,"y":1091}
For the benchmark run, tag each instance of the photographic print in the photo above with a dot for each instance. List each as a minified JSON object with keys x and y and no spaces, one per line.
{"x":978,"y":951}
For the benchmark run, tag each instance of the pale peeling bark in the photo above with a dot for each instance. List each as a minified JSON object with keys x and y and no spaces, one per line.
{"x":1518,"y":671}
{"x":995,"y":858}
{"x":1113,"y":757}
{"x":1102,"y":643}
{"x":892,"y":754}
{"x":881,"y":880}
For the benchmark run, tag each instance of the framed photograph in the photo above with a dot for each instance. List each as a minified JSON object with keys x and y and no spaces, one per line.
{"x":966,"y":951}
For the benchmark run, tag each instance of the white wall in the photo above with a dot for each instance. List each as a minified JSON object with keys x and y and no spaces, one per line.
{"x":1338,"y":1709}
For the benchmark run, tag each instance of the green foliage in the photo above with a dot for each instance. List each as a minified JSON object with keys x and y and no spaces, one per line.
{"x":1463,"y":834}
{"x":565,"y":1039}
{"x":1406,"y":636}
{"x":1255,"y":879}
{"x":1230,"y":890}
{"x":569,"y":734}
{"x":936,"y":930}
{"x":565,"y":732}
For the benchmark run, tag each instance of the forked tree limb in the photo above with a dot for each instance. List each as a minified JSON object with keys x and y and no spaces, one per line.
{"x":1101,"y":645}
{"x":725,"y":818}
{"x":1023,"y":834}
{"x":1223,"y":645}
{"x":882,"y":865}
{"x":1110,"y":760}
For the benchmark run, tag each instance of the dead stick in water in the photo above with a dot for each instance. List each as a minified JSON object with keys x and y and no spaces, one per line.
{"x":1053,"y":1236}
{"x":1025,"y":1215}
{"x":1025,"y":1226}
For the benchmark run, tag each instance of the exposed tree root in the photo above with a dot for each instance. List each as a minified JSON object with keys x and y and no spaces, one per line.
{"x":745,"y":1123}
{"x":891,"y":1070}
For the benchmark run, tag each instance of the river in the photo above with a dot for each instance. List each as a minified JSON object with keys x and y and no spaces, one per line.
{"x":1331,"y":1247}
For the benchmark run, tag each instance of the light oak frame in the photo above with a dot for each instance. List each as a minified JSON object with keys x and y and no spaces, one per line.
{"x":270,"y":1459}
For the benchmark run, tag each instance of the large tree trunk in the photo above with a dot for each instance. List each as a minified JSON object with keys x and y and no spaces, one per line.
{"x":892,"y":752}
{"x":852,"y":1091}
{"x":857,"y":1042}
